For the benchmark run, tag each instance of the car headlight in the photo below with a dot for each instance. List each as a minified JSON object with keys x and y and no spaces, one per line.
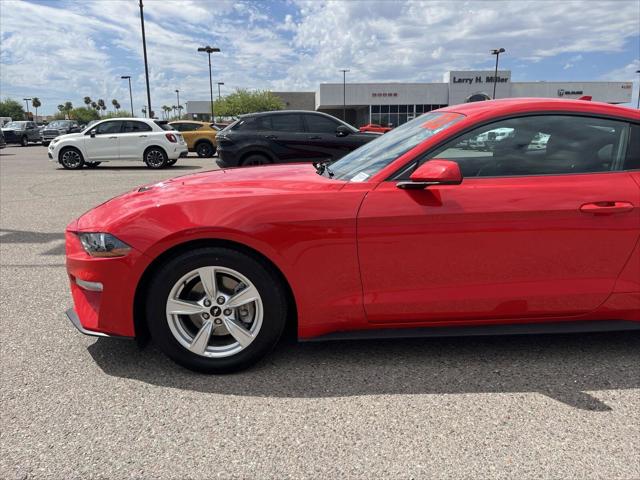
{"x":103,"y":245}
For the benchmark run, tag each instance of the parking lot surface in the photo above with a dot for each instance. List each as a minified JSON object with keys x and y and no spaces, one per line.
{"x":78,"y":407}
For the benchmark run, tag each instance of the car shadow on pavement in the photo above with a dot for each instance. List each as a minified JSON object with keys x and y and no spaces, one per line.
{"x":563,"y":367}
{"x":115,"y":168}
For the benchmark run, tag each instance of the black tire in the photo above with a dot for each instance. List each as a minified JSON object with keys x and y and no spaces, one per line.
{"x":92,"y":164}
{"x":205,"y":149}
{"x":71,"y":158}
{"x":155,"y":157}
{"x":171,"y":162}
{"x":267,"y":284}
{"x":45,"y":144}
{"x":24,"y":141}
{"x":255,"y":160}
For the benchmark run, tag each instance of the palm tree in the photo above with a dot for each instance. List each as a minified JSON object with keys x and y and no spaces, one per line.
{"x":166,"y":109}
{"x":68,"y":106}
{"x":115,"y":104}
{"x":61,"y":108}
{"x":87,"y":101}
{"x":36,"y":103}
{"x":95,"y":106}
{"x":101,"y":104}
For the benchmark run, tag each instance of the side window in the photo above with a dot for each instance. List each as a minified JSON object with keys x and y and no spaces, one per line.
{"x":108,"y":127}
{"x":179,"y":126}
{"x":320,"y":124}
{"x":262,"y":122}
{"x":539,"y":145}
{"x":632,"y":162}
{"x":185,"y":127}
{"x":131,"y":126}
{"x":287,"y":122}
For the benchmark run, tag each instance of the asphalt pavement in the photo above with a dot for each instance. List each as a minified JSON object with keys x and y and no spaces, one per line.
{"x":72,"y":406}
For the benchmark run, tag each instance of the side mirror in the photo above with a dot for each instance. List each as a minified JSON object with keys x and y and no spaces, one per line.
{"x":433,"y":172}
{"x":342,"y":131}
{"x":92,"y":133}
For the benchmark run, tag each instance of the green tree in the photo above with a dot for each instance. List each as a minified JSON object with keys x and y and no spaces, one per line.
{"x":87,"y":101}
{"x":101,"y":104}
{"x":243,"y":101}
{"x":12,"y":108}
{"x":118,"y":114}
{"x":115,"y":104}
{"x":82,"y":115}
{"x":36,"y":103}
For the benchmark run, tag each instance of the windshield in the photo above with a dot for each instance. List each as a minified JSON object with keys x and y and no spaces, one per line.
{"x":372,"y":157}
{"x":59,"y":123}
{"x":16,"y":125}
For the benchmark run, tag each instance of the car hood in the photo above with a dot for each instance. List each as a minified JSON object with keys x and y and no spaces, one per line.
{"x":68,"y":135}
{"x":234,"y":185}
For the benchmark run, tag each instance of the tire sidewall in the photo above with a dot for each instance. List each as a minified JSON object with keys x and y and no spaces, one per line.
{"x":164,"y":156}
{"x":62,"y":152}
{"x":273,"y":301}
{"x":24,"y":141}
{"x":208,"y":150}
{"x":254,"y":157}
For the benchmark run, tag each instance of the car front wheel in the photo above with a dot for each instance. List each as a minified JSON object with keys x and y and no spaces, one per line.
{"x":71,"y":159}
{"x":205,"y":150}
{"x":24,"y":141}
{"x":155,"y":158}
{"x":215,"y":310}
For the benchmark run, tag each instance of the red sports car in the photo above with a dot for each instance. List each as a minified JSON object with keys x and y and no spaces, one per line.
{"x":417,"y":233}
{"x":372,"y":127}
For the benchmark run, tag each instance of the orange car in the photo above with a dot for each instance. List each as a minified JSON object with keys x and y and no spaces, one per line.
{"x":200,"y":136}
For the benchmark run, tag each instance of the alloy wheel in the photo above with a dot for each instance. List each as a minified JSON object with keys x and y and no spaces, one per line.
{"x":155,"y":158}
{"x":71,"y":159}
{"x":214,"y":311}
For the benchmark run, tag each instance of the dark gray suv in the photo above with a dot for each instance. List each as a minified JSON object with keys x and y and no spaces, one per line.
{"x":287,"y":136}
{"x":57,"y":128}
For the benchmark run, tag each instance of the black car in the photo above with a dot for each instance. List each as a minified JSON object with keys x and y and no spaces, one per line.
{"x":287,"y":136}
{"x":2,"y":141}
{"x":57,"y":128}
{"x":21,"y":132}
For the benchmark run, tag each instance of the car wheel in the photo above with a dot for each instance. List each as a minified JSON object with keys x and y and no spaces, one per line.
{"x":205,"y":149}
{"x":215,"y":310}
{"x":92,"y":164}
{"x":155,"y":158}
{"x":71,"y":159}
{"x":24,"y":141}
{"x":256,"y":159}
{"x":171,"y":162}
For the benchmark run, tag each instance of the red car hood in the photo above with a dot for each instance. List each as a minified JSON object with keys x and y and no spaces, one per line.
{"x":233,"y":183}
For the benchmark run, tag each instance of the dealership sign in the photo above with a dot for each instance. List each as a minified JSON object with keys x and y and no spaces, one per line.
{"x":479,"y":79}
{"x":562,"y":92}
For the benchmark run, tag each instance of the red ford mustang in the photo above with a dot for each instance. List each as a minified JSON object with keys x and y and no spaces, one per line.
{"x":420,"y":232}
{"x":372,"y":127}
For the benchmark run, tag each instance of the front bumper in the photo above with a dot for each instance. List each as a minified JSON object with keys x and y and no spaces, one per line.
{"x":71,"y":315}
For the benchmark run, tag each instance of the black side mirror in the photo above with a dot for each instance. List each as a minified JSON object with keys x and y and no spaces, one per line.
{"x":342,"y":131}
{"x":92,"y":133}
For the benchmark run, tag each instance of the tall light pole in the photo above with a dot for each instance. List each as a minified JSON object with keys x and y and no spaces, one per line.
{"x":179,"y":107}
{"x":219,"y":83}
{"x":344,"y":93}
{"x":26,"y":101}
{"x":146,"y":66}
{"x":638,"y":71}
{"x":209,"y":51}
{"x":128,"y":77}
{"x":496,"y":52}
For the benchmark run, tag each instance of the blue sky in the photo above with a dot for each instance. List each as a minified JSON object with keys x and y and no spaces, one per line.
{"x":63,"y":50}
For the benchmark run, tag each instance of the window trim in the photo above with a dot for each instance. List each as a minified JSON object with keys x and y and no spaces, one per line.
{"x":412,"y":164}
{"x":305,"y":125}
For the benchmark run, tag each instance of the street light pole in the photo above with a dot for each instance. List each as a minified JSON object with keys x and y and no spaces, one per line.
{"x":146,"y":66}
{"x":128,"y":77}
{"x":26,"y":101}
{"x":179,"y":107}
{"x":209,"y":51}
{"x":344,"y":93}
{"x":497,"y":53}
{"x":219,"y":83}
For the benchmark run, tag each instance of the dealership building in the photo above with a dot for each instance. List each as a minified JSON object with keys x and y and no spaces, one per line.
{"x":395,"y":103}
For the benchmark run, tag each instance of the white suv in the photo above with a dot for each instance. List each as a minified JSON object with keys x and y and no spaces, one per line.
{"x":141,"y":139}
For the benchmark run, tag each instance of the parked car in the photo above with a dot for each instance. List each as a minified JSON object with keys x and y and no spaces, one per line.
{"x":57,"y":128}
{"x":21,"y":132}
{"x":136,"y":139}
{"x":287,"y":136}
{"x":3,"y":142}
{"x":200,"y":136}
{"x":373,"y":127}
{"x":409,"y":235}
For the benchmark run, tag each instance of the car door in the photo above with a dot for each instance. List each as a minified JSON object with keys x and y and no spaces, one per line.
{"x":102,"y":142}
{"x":32,"y":132}
{"x":286,"y":137}
{"x":324,"y":142}
{"x":530,"y":232}
{"x":134,"y":139}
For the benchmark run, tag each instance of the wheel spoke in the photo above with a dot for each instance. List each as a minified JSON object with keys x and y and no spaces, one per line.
{"x":237,"y":331}
{"x":183,"y":307}
{"x":248,"y":295}
{"x":208,"y":279}
{"x":201,"y":340}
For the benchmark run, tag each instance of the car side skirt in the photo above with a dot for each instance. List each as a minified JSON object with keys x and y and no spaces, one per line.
{"x":482,"y":330}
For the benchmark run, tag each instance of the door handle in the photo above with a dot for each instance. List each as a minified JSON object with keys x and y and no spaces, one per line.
{"x":314,"y":137}
{"x":142,"y":136}
{"x":606,"y":208}
{"x":270,"y":137}
{"x":113,"y":137}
